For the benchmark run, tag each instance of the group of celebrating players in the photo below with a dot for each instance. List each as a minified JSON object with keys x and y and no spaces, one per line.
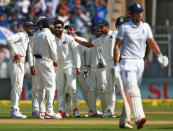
{"x":64,"y":61}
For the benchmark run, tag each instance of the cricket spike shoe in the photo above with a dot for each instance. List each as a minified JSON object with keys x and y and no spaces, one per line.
{"x":140,"y":123}
{"x":126,"y":125}
{"x":99,"y":114}
{"x":76,"y":112}
{"x":63,"y":114}
{"x":108,"y":114}
{"x":35,"y":114}
{"x":42,"y":115}
{"x":17,"y":114}
{"x":52,"y":115}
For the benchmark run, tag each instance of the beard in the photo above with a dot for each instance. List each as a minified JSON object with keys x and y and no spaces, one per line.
{"x":137,"y":20}
{"x":30,"y":34}
{"x":58,"y":33}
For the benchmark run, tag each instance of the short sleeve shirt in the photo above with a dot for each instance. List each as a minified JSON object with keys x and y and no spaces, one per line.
{"x":106,"y":44}
{"x":134,"y":39}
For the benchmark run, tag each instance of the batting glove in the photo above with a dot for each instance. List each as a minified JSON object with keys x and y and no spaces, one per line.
{"x":116,"y":71}
{"x":163,"y":60}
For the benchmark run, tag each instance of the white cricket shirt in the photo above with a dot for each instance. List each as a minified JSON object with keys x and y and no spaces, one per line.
{"x":67,"y":51}
{"x":106,"y":44}
{"x":18,"y":44}
{"x":134,"y":39}
{"x":83,"y":51}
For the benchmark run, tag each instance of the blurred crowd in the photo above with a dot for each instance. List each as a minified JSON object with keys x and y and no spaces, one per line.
{"x":84,"y":14}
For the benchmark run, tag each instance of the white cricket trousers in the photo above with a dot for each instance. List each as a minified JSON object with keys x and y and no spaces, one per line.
{"x":45,"y":74}
{"x":109,"y":93}
{"x":66,"y":77}
{"x":132,"y":71}
{"x":97,"y":85}
{"x":17,"y":74}
{"x":82,"y":84}
{"x":35,"y":88}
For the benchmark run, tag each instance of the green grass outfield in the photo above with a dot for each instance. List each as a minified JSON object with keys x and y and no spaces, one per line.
{"x":159,"y":118}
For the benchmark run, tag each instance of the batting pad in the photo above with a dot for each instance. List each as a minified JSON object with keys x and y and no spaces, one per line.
{"x":136,"y":103}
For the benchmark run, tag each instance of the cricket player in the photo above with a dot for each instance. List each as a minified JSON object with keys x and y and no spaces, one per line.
{"x":69,"y":64}
{"x":35,"y":85}
{"x":121,"y":20}
{"x":18,"y":45}
{"x":94,"y":82}
{"x":44,"y":50}
{"x":133,"y":36}
{"x":82,"y":78}
{"x":35,"y":105}
{"x":105,"y":46}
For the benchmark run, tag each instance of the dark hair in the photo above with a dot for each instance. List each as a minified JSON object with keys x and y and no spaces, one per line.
{"x":44,"y":23}
{"x":58,"y":22}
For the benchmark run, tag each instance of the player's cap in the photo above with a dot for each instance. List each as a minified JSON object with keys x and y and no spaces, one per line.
{"x":28,"y":24}
{"x":119,"y":20}
{"x":67,"y":27}
{"x":71,"y":26}
{"x":103,"y":23}
{"x":41,"y":18}
{"x":135,"y":7}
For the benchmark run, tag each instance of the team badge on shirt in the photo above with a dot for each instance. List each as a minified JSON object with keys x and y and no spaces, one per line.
{"x":111,"y":37}
{"x":64,"y":42}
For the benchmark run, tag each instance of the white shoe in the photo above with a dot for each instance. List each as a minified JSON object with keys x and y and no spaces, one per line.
{"x":17,"y":114}
{"x":52,"y":115}
{"x":42,"y":115}
{"x":76,"y":112}
{"x":108,"y":114}
{"x":58,"y":116}
{"x":126,"y":125}
{"x":99,"y":113}
{"x":35,"y":114}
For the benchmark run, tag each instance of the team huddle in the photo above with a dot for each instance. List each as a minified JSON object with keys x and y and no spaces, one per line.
{"x":59,"y":59}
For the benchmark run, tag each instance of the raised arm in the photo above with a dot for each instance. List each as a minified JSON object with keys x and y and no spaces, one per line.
{"x":86,"y":44}
{"x":76,"y":54}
